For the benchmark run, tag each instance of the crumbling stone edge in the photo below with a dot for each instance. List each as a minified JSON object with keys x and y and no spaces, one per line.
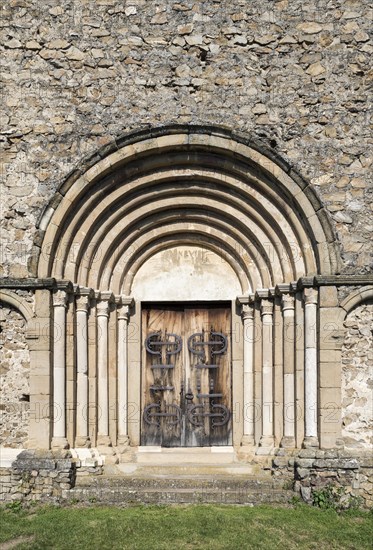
{"x":41,"y":476}
{"x":47,"y":476}
{"x":310,"y":470}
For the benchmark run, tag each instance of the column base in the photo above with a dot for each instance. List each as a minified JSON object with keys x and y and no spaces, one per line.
{"x":310,"y":441}
{"x":103,"y":441}
{"x":123,"y":443}
{"x":266,"y":445}
{"x":59,"y":443}
{"x":82,"y":441}
{"x":247,"y":442}
{"x":288,"y":442}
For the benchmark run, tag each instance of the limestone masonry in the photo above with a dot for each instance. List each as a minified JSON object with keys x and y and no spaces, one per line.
{"x":200,"y":169}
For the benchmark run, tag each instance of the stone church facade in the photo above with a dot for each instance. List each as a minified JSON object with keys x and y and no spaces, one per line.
{"x":187,"y":240}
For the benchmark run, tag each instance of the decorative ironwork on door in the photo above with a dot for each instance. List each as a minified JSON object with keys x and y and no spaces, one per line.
{"x":186,"y":388}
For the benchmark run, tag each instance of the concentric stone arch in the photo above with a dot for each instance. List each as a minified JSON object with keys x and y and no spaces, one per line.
{"x":192,"y":183}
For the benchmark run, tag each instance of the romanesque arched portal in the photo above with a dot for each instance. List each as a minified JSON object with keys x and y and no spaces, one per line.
{"x":185,"y":219}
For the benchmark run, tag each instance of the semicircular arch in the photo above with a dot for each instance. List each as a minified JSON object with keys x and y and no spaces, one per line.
{"x":12,"y":299}
{"x":231,"y":188}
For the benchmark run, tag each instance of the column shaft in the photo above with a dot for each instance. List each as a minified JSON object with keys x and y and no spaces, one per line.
{"x":310,"y":382}
{"x":82,"y":436}
{"x":267,"y":439}
{"x":288,"y":439}
{"x":123,"y":316}
{"x":102,"y":373}
{"x":248,"y":375}
{"x":59,"y":370}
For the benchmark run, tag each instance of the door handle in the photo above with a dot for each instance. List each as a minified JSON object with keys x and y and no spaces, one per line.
{"x":189,"y":395}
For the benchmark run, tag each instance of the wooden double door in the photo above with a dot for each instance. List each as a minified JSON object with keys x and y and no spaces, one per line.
{"x":186,"y":375}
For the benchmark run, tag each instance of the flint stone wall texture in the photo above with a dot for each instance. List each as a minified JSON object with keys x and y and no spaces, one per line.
{"x":14,"y":378}
{"x":293,"y":74}
{"x":357,"y":377}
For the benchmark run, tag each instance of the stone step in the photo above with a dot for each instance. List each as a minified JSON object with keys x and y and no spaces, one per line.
{"x":255,"y":483}
{"x":192,"y":455}
{"x":122,"y":490}
{"x":122,"y":496}
{"x":177,"y":469}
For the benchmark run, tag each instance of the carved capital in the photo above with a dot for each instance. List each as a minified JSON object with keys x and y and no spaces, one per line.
{"x":60,"y":298}
{"x":123,"y":312}
{"x":310,"y":296}
{"x":247,"y":312}
{"x":266,"y":307}
{"x":82,"y":303}
{"x":287,"y":302}
{"x":103,"y":308}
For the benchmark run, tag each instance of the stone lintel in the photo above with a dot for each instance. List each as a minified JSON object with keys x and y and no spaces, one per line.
{"x":28,"y":283}
{"x":83,"y":291}
{"x":272,"y":292}
{"x":305,"y":282}
{"x":283,"y":288}
{"x":294,"y":286}
{"x":243,"y":300}
{"x":262,"y":293}
{"x":334,"y":280}
{"x":321,"y":280}
{"x":124,"y":301}
{"x":106,"y":296}
{"x":67,"y":286}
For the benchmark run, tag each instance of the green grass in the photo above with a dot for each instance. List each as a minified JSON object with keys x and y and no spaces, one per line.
{"x":184,"y":527}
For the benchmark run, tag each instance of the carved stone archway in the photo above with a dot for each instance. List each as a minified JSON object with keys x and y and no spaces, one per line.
{"x":157,"y":190}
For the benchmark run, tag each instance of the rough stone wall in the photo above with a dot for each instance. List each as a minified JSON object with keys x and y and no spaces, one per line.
{"x":37,"y":477}
{"x":352,"y":470}
{"x":79,"y":73}
{"x":43,"y":476}
{"x":357,"y":377}
{"x":14,"y":378}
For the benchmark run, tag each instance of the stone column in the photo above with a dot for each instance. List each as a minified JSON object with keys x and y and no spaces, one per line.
{"x":267,"y":440}
{"x":82,"y":307}
{"x":248,"y":376}
{"x":288,"y":439}
{"x":59,"y":369}
{"x":310,"y":374}
{"x":103,"y":309}
{"x":123,"y":318}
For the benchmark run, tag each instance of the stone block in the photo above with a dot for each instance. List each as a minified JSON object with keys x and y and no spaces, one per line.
{"x":43,"y":302}
{"x":34,"y":464}
{"x":307,"y":453}
{"x":330,"y":398}
{"x":39,"y":334}
{"x":328,"y":296}
{"x":304,"y":462}
{"x":303,"y":472}
{"x":330,"y":374}
{"x":40,"y":385}
{"x":331,"y":329}
{"x":40,"y":361}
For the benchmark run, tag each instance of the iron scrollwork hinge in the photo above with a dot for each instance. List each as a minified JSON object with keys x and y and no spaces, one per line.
{"x":154,"y":345}
{"x":152,"y":415}
{"x":220,"y":415}
{"x":217,"y":345}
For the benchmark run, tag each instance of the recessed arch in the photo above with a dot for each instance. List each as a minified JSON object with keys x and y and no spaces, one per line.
{"x":356,"y":298}
{"x":216,"y":183}
{"x":12,"y":299}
